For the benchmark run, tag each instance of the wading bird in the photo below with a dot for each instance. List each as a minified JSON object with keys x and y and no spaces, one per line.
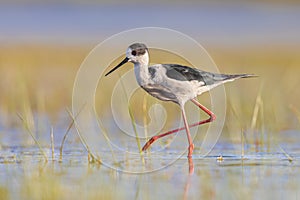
{"x":176,"y":83}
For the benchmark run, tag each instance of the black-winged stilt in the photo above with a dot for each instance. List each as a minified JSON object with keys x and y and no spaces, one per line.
{"x":176,"y":83}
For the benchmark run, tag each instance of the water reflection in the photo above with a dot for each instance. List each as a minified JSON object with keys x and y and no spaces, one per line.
{"x":196,"y":178}
{"x":189,"y":177}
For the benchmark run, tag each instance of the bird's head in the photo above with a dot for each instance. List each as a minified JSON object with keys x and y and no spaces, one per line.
{"x":136,"y":53}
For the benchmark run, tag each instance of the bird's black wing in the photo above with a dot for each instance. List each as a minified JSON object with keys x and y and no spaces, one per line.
{"x":184,"y":73}
{"x":181,"y":73}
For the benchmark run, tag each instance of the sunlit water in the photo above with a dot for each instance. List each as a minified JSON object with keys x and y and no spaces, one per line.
{"x":265,"y":171}
{"x":223,"y":174}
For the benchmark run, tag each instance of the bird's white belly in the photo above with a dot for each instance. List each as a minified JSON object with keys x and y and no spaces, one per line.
{"x":184,"y":90}
{"x":168,"y":89}
{"x":172,"y":90}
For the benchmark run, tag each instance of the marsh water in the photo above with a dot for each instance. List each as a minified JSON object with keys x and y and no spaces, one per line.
{"x":260,"y":172}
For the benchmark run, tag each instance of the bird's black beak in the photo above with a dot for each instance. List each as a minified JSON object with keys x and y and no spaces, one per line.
{"x":119,"y":65}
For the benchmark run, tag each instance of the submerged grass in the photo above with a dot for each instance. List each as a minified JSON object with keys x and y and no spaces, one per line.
{"x":52,"y":143}
{"x":145,"y":113}
{"x":67,"y":133}
{"x":258,"y":112}
{"x":285,"y":153}
{"x":27,"y":127}
{"x":91,"y":157}
{"x":133,"y":122}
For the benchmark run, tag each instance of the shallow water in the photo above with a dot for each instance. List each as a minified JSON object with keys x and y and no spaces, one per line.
{"x":221,"y":175}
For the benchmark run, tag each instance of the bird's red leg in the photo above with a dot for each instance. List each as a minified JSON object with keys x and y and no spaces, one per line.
{"x":188,"y":134}
{"x":211,"y":118}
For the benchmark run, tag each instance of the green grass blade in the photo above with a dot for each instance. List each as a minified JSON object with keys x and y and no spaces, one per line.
{"x":32,"y":136}
{"x":133,"y":122}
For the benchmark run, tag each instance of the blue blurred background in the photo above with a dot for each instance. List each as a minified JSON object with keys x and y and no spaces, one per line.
{"x":230,"y":23}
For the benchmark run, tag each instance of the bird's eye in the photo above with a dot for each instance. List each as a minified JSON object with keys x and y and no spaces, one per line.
{"x":133,"y":53}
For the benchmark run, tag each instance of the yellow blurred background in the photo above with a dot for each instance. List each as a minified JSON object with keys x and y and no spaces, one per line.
{"x":43,"y":45}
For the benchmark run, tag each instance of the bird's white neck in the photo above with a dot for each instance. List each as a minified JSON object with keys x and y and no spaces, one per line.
{"x":141,"y":70}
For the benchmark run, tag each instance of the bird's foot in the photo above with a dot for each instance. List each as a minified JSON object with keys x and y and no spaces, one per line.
{"x":148,"y":144}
